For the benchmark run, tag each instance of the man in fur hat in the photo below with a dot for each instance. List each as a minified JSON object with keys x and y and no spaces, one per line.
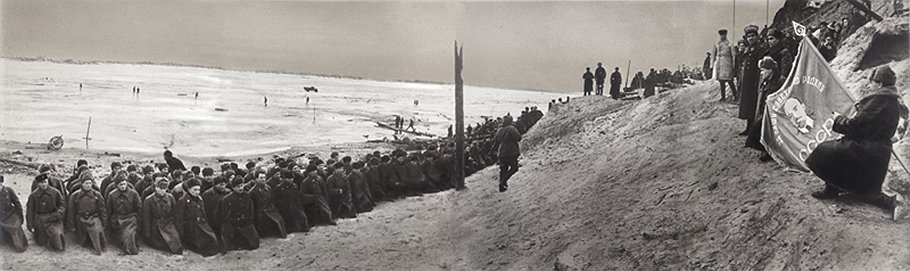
{"x":124,"y":207}
{"x":158,"y":219}
{"x":211,"y":199}
{"x":288,"y":201}
{"x":360,"y":190}
{"x":46,"y":210}
{"x":748,"y":101}
{"x":86,"y":215}
{"x":339,"y":190}
{"x":11,"y":218}
{"x":236,"y":213}
{"x":116,"y":170}
{"x":192,"y":222}
{"x":54,"y":182}
{"x":268,"y":219}
{"x":315,"y":198}
{"x":858,"y":162}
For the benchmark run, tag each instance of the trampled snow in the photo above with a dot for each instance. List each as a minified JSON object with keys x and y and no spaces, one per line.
{"x":39,"y":100}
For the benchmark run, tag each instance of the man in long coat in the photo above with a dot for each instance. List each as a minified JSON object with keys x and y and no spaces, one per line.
{"x":506,"y":144}
{"x":360,"y":191}
{"x":124,"y":207}
{"x":751,"y":77}
{"x":615,"y":84}
{"x":858,"y":162}
{"x":192,"y":222}
{"x":340,"y":193}
{"x":46,"y":210}
{"x":237,"y":216}
{"x":723,"y":64}
{"x":589,"y":81}
{"x":158,"y":219}
{"x":86,"y":215}
{"x":289,"y":202}
{"x":11,"y":218}
{"x":599,"y":75}
{"x":650,"y":84}
{"x":315,"y":198}
{"x":268,"y":219}
{"x":211,"y":199}
{"x":371,"y":173}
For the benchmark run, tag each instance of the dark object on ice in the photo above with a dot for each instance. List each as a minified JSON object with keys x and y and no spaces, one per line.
{"x":383,"y":125}
{"x":221,"y":109}
{"x":56,"y":143}
{"x":310,"y":89}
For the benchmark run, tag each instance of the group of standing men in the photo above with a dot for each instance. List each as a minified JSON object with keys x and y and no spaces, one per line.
{"x":858,"y":162}
{"x":599,"y":76}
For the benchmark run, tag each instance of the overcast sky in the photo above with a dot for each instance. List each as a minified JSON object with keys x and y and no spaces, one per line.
{"x":523,"y":45}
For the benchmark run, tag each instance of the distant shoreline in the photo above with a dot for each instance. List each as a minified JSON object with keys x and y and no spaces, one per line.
{"x":170,"y":64}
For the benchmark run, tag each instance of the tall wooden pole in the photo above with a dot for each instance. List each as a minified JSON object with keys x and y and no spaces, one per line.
{"x":628,"y":70}
{"x":87,"y":130}
{"x":767,"y":11}
{"x":459,"y":119}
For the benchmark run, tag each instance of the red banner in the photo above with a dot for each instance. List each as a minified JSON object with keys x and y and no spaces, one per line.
{"x":800,"y":115}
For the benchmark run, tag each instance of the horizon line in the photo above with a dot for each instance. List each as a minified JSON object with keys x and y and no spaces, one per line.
{"x":198,"y":66}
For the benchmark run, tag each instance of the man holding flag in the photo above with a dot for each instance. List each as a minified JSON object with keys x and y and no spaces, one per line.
{"x":805,"y":119}
{"x":858,"y":162}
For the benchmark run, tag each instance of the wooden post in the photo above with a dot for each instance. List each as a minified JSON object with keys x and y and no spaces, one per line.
{"x":628,"y":68}
{"x":87,"y":130}
{"x":459,"y":119}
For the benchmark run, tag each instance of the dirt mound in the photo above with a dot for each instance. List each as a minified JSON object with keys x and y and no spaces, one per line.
{"x":664,"y":184}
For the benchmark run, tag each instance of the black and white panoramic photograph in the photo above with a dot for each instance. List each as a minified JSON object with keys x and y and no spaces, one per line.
{"x":454,"y":135}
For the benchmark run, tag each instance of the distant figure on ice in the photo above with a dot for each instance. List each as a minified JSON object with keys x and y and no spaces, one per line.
{"x":505,"y":142}
{"x":308,"y":100}
{"x":265,"y":101}
{"x":707,"y":67}
{"x":723,"y":64}
{"x":600,"y":74}
{"x":137,"y":90}
{"x":589,"y":81}
{"x":197,"y":96}
{"x":858,"y":162}
{"x":411,"y":126}
{"x":416,"y":102}
{"x":615,"y":83}
{"x":80,"y":87}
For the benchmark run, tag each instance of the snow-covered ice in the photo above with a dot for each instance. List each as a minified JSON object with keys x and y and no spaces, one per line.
{"x":39,"y":100}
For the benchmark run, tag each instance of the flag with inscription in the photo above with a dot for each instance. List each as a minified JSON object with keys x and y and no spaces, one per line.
{"x":801,"y":114}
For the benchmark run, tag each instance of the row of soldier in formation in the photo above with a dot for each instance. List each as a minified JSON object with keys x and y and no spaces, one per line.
{"x":175,"y":209}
